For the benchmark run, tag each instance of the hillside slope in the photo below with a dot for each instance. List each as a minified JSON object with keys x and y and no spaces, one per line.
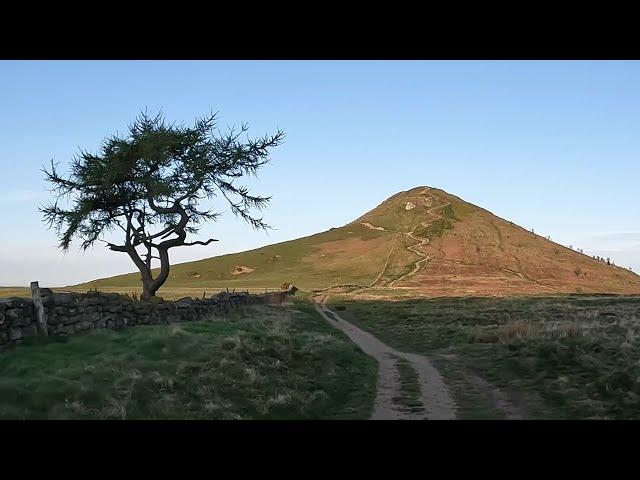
{"x":424,"y":239}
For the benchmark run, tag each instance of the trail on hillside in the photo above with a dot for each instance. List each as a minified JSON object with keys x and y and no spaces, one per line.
{"x":435,"y":399}
{"x":419,"y":264}
{"x":416,"y":248}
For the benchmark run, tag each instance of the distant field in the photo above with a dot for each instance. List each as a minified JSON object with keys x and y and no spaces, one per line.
{"x":259,"y":363}
{"x":14,"y":292}
{"x":166,"y":293}
{"x":564,"y":357}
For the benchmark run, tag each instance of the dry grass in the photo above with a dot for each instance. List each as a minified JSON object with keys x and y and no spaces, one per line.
{"x":166,"y":293}
{"x":529,"y":330}
{"x":6,"y":292}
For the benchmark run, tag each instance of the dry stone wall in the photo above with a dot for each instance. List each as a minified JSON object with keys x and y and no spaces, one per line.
{"x":68,"y":313}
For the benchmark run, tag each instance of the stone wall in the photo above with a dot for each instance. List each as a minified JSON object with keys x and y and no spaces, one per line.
{"x":68,"y":313}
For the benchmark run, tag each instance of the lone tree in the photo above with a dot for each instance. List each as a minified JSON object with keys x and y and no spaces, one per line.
{"x":150,"y":184}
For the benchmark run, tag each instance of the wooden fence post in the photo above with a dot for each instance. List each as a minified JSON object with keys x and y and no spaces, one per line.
{"x":37,"y":303}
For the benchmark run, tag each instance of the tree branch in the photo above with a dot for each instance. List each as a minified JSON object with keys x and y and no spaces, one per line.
{"x":199,"y":242}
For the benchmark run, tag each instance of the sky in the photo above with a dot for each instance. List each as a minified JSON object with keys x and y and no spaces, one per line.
{"x":552,"y":145}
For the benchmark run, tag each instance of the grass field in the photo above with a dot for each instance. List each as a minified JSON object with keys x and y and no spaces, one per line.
{"x":349,"y":254}
{"x":166,"y":293}
{"x":259,"y":363}
{"x":563,"y":357}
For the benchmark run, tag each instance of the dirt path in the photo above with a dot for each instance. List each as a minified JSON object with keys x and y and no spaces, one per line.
{"x":417,"y":248}
{"x":501,"y":400}
{"x":436,"y":400}
{"x":424,"y":258}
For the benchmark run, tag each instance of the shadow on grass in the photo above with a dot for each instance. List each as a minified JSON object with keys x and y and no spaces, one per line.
{"x":575,"y":356}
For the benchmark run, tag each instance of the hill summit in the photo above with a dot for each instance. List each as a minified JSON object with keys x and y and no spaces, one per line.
{"x":423,"y":239}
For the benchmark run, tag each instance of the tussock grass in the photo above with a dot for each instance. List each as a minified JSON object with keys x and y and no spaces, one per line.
{"x":260,"y":363}
{"x":571,"y":357}
{"x":529,"y":330}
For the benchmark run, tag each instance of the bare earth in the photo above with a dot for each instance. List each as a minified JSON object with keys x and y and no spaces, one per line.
{"x":436,"y":400}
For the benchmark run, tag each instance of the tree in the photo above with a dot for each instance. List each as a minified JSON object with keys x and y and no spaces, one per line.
{"x":150,"y":185}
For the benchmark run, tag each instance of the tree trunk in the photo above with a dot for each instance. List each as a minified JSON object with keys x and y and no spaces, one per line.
{"x":148,"y":285}
{"x":151,"y":285}
{"x":147,"y":290}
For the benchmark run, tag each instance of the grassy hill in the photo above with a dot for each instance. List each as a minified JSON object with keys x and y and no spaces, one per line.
{"x":423,"y":239}
{"x":318,"y":260}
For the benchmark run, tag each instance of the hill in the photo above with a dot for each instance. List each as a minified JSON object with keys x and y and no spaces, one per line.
{"x":423,"y":239}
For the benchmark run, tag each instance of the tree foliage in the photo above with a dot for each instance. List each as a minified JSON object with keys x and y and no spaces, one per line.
{"x":150,"y":184}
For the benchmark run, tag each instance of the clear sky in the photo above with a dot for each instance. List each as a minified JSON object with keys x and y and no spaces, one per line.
{"x":549,"y":145}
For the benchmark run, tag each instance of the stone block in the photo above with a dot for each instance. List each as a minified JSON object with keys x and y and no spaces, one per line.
{"x":81,"y":326}
{"x":62,"y":298}
{"x":18,"y":317}
{"x":15,"y":333}
{"x":30,"y":331}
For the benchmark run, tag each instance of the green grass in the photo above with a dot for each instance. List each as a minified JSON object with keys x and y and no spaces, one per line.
{"x":570,"y":357}
{"x":459,"y":208}
{"x":449,"y":212}
{"x":410,"y":394}
{"x":260,"y":363}
{"x":303,"y":262}
{"x":472,"y":402}
{"x":435,"y":229}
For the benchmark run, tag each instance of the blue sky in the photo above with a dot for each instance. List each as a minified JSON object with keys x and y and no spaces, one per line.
{"x":549,"y":145}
